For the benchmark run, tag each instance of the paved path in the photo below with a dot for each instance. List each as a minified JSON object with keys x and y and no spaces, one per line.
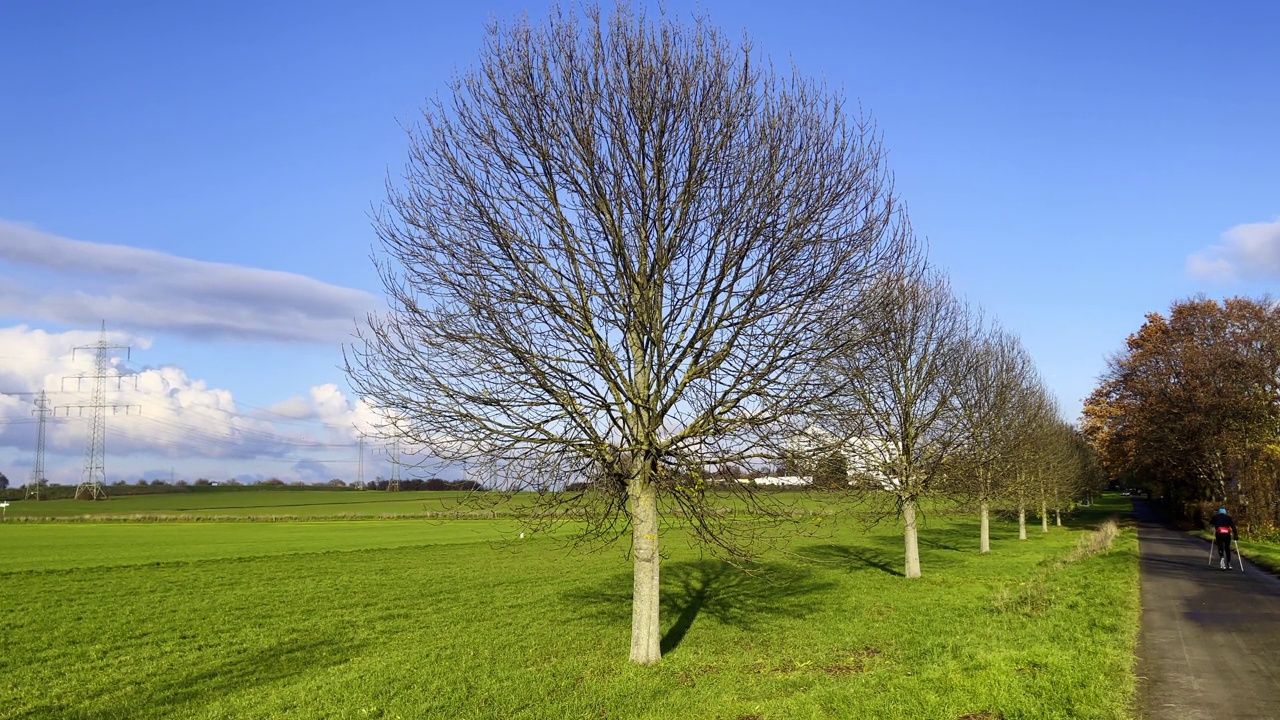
{"x":1210,"y":640}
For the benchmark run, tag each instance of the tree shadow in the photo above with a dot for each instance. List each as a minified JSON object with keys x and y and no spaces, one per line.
{"x":710,"y":588}
{"x":933,"y":542}
{"x":172,"y":694}
{"x":851,"y":557}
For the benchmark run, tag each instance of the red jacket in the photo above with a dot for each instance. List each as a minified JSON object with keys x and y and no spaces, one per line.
{"x":1223,"y":523}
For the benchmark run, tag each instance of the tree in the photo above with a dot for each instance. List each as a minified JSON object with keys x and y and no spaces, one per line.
{"x":615,"y":258}
{"x":894,"y":392}
{"x":988,"y":402}
{"x":1038,"y":412}
{"x":832,"y":470}
{"x":1191,"y":407}
{"x":4,"y":482}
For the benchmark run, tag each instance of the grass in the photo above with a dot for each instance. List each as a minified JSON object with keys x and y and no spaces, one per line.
{"x":1265,"y":555}
{"x":242,"y":503}
{"x":414,"y":619}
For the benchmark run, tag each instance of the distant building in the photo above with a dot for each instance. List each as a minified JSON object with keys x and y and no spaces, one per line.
{"x":867,"y":460}
{"x":780,"y":480}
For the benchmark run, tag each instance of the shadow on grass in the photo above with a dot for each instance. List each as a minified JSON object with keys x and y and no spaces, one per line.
{"x":184,"y":686}
{"x":853,"y":557}
{"x":941,"y":548}
{"x":711,"y":588}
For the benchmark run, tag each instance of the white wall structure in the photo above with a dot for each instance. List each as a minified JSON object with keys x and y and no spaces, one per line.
{"x":865,"y":457}
{"x":780,"y":480}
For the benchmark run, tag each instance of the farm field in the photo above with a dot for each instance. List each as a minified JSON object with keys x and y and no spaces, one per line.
{"x":232,"y":502}
{"x":461,"y":618}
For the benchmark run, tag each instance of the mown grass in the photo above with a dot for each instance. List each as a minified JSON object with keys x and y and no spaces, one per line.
{"x":233,"y":503}
{"x":412,"y":620}
{"x":307,"y":503}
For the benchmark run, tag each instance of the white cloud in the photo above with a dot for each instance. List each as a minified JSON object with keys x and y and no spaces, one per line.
{"x":1250,"y":251}
{"x":331,"y":407}
{"x":167,"y":415}
{"x":153,"y":291}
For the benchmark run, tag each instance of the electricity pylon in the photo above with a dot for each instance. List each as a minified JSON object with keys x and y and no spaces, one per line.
{"x":394,"y":483}
{"x":360,"y":471}
{"x":93,"y":481}
{"x":37,"y":470}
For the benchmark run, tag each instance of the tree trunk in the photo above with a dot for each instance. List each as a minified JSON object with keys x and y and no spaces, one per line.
{"x":910,"y":539}
{"x":1022,"y":522}
{"x":1044,"y":516}
{"x":1057,"y":513}
{"x":645,"y":631}
{"x":984,"y":544}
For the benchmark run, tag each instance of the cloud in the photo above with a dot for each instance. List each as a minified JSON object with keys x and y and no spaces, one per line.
{"x":330,"y":407}
{"x":1250,"y":251}
{"x":162,"y":412}
{"x":149,"y":290}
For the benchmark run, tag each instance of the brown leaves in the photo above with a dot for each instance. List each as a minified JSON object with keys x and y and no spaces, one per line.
{"x":1192,"y":400}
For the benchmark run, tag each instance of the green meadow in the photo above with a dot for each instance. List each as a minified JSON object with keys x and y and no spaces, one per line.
{"x":246,"y":503}
{"x":426,"y":618}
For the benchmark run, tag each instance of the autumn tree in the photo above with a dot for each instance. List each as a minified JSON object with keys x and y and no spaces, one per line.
{"x":615,"y":260}
{"x":1190,"y":408}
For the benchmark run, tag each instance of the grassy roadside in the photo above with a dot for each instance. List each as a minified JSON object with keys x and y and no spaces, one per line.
{"x":1265,"y":555}
{"x":442,"y":625}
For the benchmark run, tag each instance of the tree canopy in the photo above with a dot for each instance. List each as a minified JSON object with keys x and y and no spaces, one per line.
{"x":619,"y":252}
{"x":1190,"y":408}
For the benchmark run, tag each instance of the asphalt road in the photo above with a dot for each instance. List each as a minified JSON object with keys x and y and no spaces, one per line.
{"x":1209,"y":646}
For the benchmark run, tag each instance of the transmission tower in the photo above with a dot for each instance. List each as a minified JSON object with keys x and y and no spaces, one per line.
{"x":37,"y":470}
{"x":93,"y":481}
{"x":360,"y":471}
{"x":394,"y":483}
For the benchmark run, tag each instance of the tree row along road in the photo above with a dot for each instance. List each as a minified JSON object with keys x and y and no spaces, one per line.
{"x":1210,"y":639}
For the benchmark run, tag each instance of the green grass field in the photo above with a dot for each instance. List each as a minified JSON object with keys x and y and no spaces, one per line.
{"x":461,"y":619}
{"x":229,"y":503}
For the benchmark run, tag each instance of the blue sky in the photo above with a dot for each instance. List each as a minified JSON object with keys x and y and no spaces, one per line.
{"x":202,"y":178}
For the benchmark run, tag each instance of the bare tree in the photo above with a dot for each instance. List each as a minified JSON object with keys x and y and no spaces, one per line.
{"x":1038,"y":411}
{"x":614,"y":261}
{"x":895,"y":391}
{"x":988,"y":404}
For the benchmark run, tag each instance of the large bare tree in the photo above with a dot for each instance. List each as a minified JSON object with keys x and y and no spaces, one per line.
{"x":616,"y":256}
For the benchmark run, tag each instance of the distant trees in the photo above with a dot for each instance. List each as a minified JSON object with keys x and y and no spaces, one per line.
{"x":4,"y":482}
{"x":427,"y":484}
{"x":620,"y":251}
{"x":991,"y":401}
{"x":898,"y":386}
{"x":1191,"y":409}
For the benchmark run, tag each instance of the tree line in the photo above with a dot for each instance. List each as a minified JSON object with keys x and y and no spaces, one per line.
{"x":1190,"y":410}
{"x":629,"y":260}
